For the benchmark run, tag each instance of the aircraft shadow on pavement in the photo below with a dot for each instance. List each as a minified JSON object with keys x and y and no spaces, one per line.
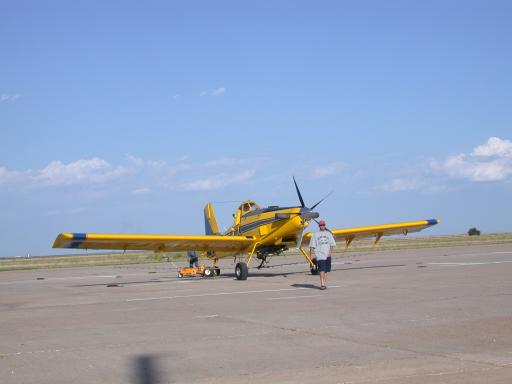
{"x":306,"y":272}
{"x":120,"y":283}
{"x":369,"y":267}
{"x":312,"y":286}
{"x":254,"y":274}
{"x":146,"y":370}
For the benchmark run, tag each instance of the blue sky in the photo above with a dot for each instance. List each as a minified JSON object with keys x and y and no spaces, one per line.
{"x":127,"y":117}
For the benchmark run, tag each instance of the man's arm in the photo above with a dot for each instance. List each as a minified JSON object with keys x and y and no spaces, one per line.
{"x":333,"y":245}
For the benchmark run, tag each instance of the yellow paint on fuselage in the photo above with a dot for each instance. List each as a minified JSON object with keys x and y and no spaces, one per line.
{"x":272,"y":225}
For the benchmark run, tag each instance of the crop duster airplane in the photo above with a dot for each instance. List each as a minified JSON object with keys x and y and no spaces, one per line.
{"x":256,"y":231}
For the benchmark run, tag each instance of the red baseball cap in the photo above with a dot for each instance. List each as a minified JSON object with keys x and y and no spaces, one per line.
{"x":321,"y":222}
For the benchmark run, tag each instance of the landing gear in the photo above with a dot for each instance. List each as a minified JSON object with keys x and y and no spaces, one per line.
{"x":241,"y":271}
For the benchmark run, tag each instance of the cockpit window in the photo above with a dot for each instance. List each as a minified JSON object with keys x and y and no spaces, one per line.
{"x":250,"y":206}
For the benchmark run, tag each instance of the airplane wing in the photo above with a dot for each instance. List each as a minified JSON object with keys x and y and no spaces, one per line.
{"x":377,"y":231}
{"x":162,"y":243}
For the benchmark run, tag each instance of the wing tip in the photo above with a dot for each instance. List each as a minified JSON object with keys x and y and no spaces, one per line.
{"x":69,"y":240}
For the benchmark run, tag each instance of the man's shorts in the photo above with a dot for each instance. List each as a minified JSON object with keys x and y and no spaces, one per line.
{"x":324,"y":265}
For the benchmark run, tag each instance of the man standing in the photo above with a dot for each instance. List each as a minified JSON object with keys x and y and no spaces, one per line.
{"x":192,"y":258}
{"x":321,"y":246}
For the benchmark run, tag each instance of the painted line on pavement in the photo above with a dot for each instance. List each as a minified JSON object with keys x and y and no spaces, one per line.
{"x":482,"y":253}
{"x":223,"y":293}
{"x":466,"y":263}
{"x":292,"y":297}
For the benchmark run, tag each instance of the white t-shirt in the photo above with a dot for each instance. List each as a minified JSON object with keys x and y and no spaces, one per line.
{"x":322,"y":241}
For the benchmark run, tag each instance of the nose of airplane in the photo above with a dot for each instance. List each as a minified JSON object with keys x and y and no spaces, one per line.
{"x":308,"y":214}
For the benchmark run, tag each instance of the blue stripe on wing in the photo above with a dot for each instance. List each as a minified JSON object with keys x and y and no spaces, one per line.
{"x":78,"y":238}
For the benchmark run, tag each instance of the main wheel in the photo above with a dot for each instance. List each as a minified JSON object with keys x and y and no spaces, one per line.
{"x":241,"y":271}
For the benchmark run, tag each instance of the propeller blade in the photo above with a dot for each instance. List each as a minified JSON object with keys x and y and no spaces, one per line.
{"x":298,"y":193}
{"x":326,"y":196}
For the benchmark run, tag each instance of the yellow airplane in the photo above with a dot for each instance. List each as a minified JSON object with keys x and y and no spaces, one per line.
{"x":263,"y":232}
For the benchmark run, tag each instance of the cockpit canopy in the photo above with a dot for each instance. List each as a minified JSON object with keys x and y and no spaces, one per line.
{"x":248,"y":206}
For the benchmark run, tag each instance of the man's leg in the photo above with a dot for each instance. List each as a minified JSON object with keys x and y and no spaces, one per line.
{"x":322,"y":278}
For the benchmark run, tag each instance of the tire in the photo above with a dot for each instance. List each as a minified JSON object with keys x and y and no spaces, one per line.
{"x":216,"y":271}
{"x":241,"y":271}
{"x":180,"y":275}
{"x":208,"y":272}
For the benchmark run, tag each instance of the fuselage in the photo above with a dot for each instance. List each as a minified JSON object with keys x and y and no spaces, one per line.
{"x":272,"y":224}
{"x":273,"y":228}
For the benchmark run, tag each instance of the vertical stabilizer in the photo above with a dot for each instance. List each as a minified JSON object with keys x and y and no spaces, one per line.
{"x":210,"y":222}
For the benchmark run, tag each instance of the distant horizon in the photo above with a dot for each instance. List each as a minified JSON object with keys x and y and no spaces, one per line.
{"x":84,"y":252}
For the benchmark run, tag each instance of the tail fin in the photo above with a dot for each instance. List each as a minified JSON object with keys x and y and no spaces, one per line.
{"x":210,"y":222}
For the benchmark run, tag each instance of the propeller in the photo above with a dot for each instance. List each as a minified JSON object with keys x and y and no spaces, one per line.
{"x":306,"y":213}
{"x":298,"y":193}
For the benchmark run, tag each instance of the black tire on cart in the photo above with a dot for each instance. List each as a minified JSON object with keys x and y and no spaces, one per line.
{"x":208,"y":272}
{"x":216,"y":271}
{"x":241,"y":271}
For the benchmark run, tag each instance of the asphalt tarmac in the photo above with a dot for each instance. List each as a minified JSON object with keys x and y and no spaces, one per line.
{"x":440,"y":315}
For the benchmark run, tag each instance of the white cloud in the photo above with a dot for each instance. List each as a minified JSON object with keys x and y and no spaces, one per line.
{"x":56,"y":173}
{"x":233,"y":161}
{"x":141,"y":191}
{"x":218,"y":92}
{"x":214,"y":93}
{"x":494,"y":147}
{"x":467,"y":167}
{"x":217,"y":181}
{"x":136,"y":175}
{"x":7,"y":97}
{"x":71,"y":211}
{"x":7,"y":176}
{"x":139,"y":162}
{"x":93,"y":170}
{"x":402,"y":184}
{"x":488,"y":162}
{"x":328,"y":169}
